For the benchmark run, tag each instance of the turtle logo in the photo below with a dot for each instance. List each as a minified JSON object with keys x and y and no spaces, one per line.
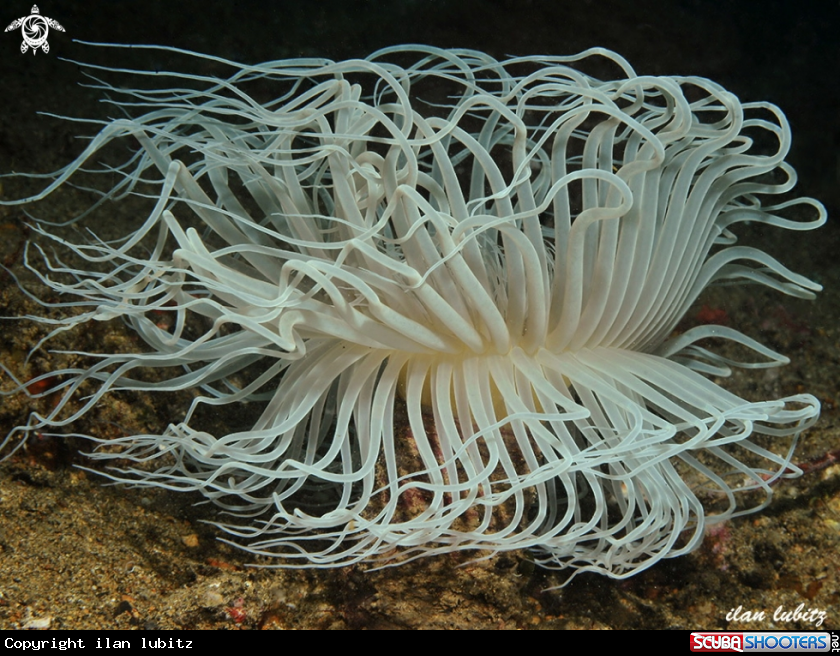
{"x":34,"y":29}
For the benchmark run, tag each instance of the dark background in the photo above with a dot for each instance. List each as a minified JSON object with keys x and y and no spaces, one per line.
{"x":782,"y":51}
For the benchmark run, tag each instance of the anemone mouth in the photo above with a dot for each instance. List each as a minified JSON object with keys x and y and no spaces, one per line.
{"x":501,"y":249}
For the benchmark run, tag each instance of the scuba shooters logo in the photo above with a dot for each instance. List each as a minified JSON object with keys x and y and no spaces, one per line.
{"x":760,"y":641}
{"x":717,"y":642}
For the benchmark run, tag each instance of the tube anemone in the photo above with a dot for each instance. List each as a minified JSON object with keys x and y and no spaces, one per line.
{"x":453,"y":286}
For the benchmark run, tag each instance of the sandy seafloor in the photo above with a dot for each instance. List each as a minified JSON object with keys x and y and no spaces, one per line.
{"x":77,"y":554}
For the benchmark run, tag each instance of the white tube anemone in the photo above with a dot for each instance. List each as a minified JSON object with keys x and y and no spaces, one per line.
{"x":504,"y":249}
